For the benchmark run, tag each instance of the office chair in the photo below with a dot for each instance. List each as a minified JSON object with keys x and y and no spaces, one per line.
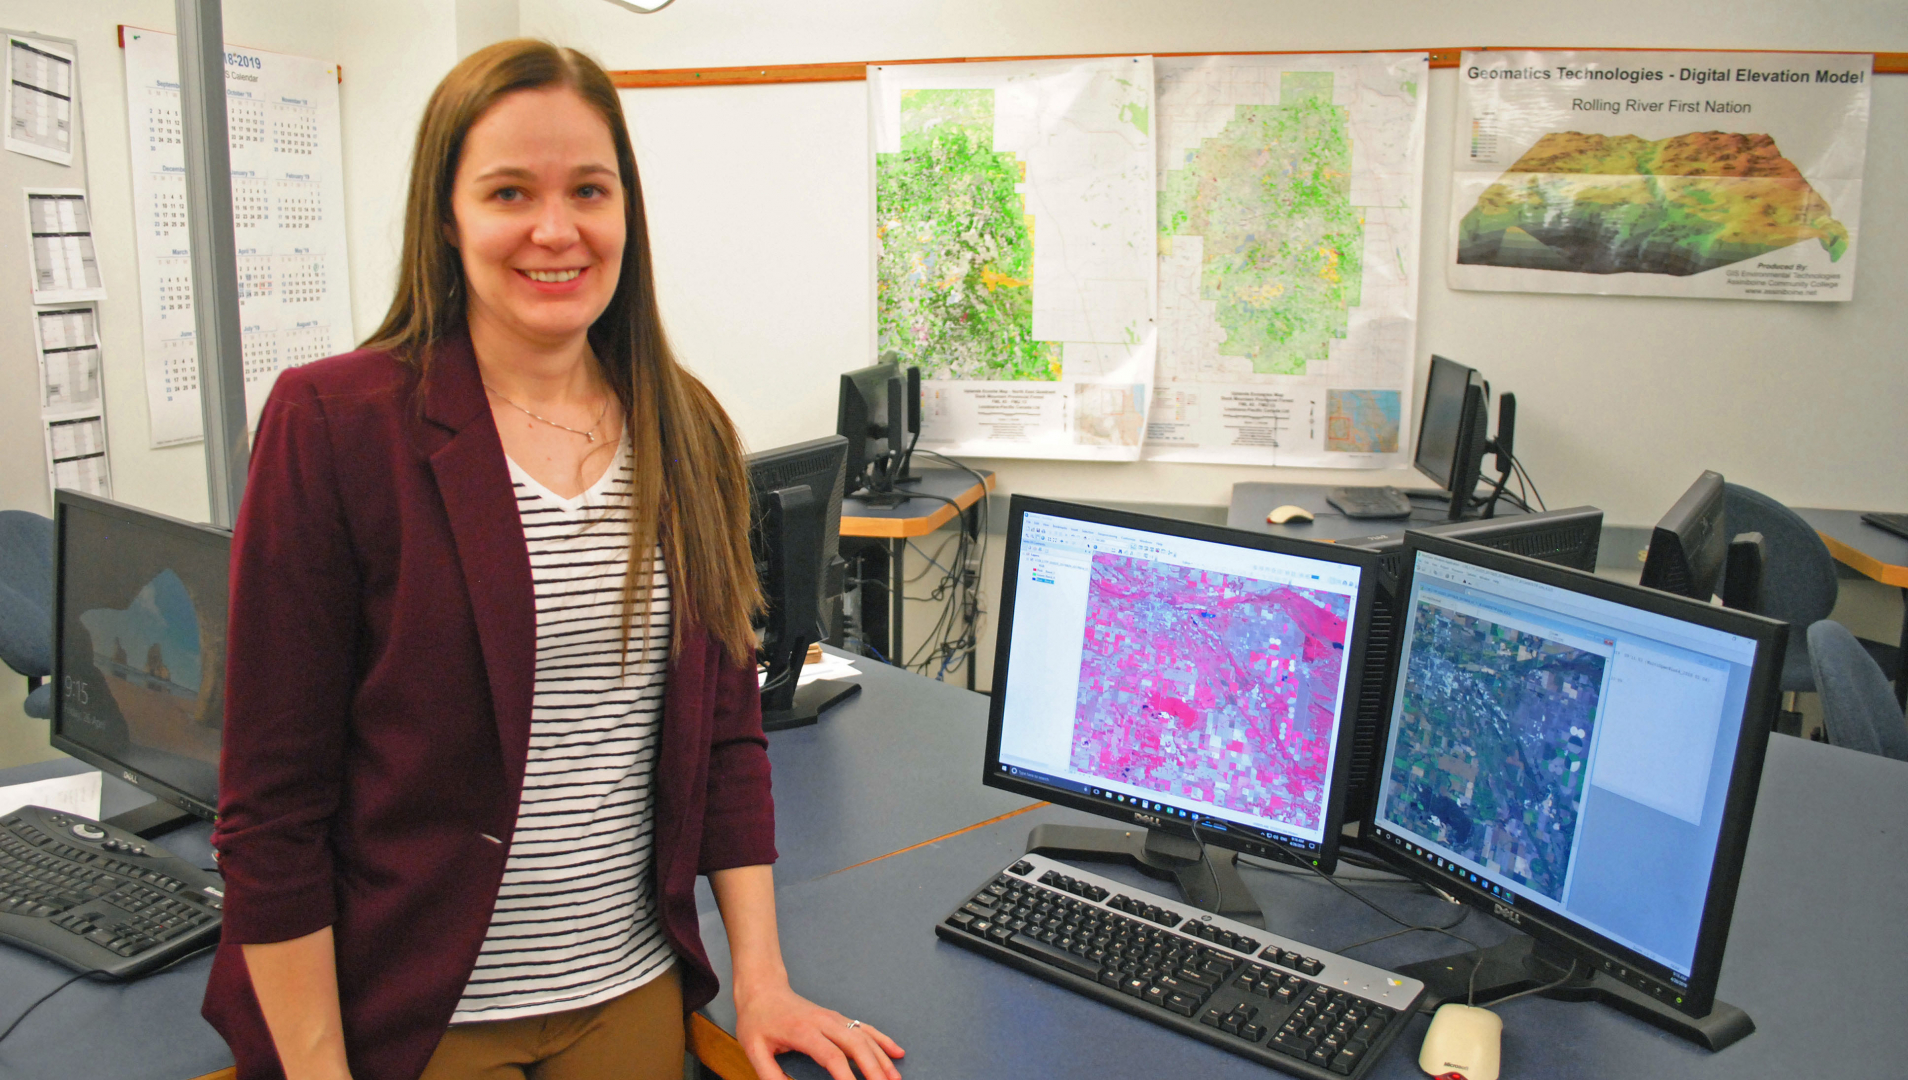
{"x":26,"y":604}
{"x":1858,"y":706}
{"x":1798,"y":583}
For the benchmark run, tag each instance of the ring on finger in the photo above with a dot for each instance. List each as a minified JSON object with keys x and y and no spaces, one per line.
{"x":853,"y":1024}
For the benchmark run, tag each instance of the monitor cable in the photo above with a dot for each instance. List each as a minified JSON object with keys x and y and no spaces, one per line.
{"x":1218,"y":894}
{"x":1524,"y":473}
{"x":952,"y":588}
{"x":973,"y":613}
{"x":1300,"y":858}
{"x":954,"y":635}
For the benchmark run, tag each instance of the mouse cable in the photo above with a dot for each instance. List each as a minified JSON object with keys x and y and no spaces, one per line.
{"x":1471,"y":995}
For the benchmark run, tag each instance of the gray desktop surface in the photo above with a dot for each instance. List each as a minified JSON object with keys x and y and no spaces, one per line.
{"x":897,"y":764}
{"x":148,"y":1029}
{"x":1813,"y":957}
{"x":1251,"y":501}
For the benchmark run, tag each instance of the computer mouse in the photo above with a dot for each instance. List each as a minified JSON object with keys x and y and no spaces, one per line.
{"x":1282,"y":514}
{"x":1463,"y":1040}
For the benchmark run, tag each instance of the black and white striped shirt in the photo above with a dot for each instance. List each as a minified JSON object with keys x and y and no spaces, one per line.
{"x":576,"y":921}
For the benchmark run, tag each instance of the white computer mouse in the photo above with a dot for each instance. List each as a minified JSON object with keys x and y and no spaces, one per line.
{"x":1462,"y":1040}
{"x":1282,"y":514}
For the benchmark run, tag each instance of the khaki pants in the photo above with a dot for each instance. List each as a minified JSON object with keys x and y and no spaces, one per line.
{"x":638,"y":1036}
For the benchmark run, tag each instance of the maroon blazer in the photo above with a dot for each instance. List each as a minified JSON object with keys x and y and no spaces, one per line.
{"x":381,"y":654}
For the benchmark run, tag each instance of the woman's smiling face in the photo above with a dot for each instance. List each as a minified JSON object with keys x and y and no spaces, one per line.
{"x":538,"y":205}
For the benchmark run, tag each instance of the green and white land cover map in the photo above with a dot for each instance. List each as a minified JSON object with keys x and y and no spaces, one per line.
{"x":1014,"y":251}
{"x":1289,"y":190}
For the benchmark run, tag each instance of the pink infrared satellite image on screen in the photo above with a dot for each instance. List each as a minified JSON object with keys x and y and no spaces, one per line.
{"x":1211,"y":686}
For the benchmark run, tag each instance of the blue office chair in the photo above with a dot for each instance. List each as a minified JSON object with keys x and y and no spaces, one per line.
{"x":26,"y":604}
{"x":1858,"y":706}
{"x":1798,"y":584}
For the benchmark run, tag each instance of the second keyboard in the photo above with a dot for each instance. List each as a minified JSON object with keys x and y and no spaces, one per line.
{"x":1247,"y":991}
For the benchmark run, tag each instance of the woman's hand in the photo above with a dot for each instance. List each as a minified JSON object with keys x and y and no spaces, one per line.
{"x":771,"y":1018}
{"x":774,"y":1019}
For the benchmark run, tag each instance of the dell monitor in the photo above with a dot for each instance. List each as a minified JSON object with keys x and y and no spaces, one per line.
{"x":794,"y":533}
{"x":1451,"y":431}
{"x":880,"y":415}
{"x":1564,"y":537}
{"x":1177,"y":677}
{"x":1578,"y":757}
{"x":139,"y":608}
{"x":1690,"y":546}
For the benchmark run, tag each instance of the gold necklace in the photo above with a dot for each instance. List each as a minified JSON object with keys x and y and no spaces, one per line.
{"x":590,"y":434}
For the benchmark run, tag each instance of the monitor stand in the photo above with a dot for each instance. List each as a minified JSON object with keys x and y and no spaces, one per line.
{"x":152,"y":820}
{"x":809,"y":703}
{"x":1524,"y":962}
{"x":1157,"y":853}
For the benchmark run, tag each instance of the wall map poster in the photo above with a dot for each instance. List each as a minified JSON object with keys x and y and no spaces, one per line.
{"x":1014,"y":251}
{"x":288,"y":219}
{"x":1721,"y":175}
{"x":1289,"y":191}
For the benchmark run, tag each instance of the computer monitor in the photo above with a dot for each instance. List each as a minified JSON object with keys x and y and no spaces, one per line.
{"x":1564,"y":537}
{"x":1173,"y":676}
{"x":794,"y":536}
{"x":1451,"y":431}
{"x":1578,"y":757}
{"x":1690,"y":545}
{"x":139,"y":608}
{"x":1451,"y":428}
{"x":880,"y":416}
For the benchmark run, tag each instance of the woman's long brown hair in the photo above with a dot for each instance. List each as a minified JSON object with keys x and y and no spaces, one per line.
{"x":690,"y":485}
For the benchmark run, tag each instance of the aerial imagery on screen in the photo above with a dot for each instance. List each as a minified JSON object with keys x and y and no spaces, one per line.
{"x":1218,"y":688}
{"x":1492,"y":743}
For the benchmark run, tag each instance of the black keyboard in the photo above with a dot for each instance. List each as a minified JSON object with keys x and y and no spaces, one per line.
{"x":99,"y":898}
{"x":1242,"y":989}
{"x":1370,"y":502}
{"x":1894,"y":523}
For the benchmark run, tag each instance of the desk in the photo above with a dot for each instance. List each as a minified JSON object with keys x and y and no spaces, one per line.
{"x":887,"y":530}
{"x":149,"y":1029}
{"x":897,"y":764}
{"x":1252,"y":501}
{"x":1876,"y":553}
{"x":1814,"y":964}
{"x":842,"y":796}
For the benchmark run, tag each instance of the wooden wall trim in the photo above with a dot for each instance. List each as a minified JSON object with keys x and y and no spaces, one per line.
{"x":1886,"y":63}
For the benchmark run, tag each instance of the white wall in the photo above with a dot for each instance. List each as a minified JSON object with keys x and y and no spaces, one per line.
{"x":759,"y":197}
{"x":393,"y":53}
{"x":170,"y":480}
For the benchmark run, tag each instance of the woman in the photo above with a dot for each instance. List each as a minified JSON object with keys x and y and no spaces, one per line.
{"x":491,"y":704}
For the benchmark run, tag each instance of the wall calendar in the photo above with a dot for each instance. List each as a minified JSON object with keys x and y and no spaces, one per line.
{"x":288,"y":219}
